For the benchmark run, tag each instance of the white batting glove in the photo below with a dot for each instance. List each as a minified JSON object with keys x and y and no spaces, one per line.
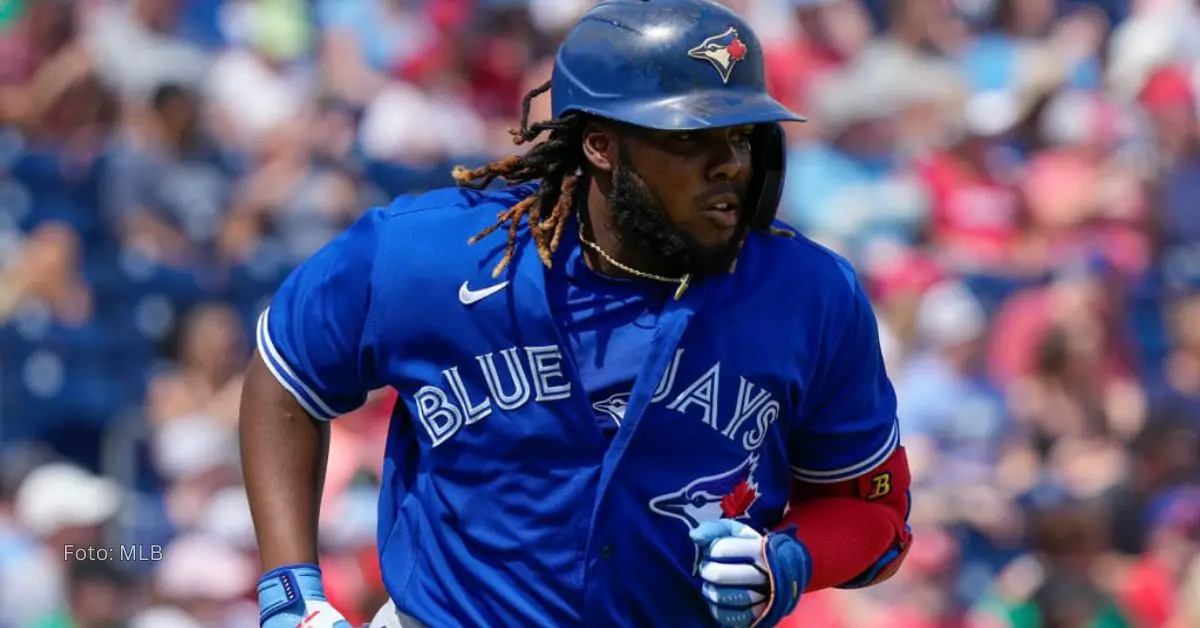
{"x":750,"y":579}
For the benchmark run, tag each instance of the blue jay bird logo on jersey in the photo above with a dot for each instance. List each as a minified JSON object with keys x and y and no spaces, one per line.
{"x":614,"y":406}
{"x":723,"y":51}
{"x":727,"y":495}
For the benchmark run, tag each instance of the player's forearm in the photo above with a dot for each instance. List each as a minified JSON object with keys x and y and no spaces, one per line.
{"x":845,"y":537}
{"x":283,"y":452}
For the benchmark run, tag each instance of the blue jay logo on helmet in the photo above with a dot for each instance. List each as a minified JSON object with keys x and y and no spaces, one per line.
{"x":723,"y":51}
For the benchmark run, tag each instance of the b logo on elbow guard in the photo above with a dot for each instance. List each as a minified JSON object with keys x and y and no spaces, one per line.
{"x":881,"y":486}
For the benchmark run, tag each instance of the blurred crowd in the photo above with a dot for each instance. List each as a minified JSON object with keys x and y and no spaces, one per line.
{"x":1017,"y":181}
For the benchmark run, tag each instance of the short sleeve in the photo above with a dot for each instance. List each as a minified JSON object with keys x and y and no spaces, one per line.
{"x":848,"y":422}
{"x":316,"y":336}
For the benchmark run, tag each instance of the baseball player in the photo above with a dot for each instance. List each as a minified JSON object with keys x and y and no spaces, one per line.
{"x":627,"y":396}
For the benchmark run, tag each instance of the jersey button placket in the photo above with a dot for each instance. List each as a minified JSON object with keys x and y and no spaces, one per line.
{"x":606,"y":552}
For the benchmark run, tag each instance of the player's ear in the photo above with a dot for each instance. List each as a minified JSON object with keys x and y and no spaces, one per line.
{"x":599,"y":146}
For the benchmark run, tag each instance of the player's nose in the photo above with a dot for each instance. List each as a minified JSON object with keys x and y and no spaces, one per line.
{"x":727,"y":158}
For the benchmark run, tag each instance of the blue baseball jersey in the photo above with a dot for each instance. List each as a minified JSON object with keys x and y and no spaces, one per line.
{"x":559,"y":433}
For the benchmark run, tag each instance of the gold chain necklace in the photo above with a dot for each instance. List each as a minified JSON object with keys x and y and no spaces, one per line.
{"x":683,"y":282}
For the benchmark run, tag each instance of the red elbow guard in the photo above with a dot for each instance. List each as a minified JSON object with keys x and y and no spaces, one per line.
{"x":856,"y":529}
{"x":887,"y":484}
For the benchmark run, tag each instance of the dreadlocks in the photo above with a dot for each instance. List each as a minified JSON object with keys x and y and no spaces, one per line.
{"x":555,"y":161}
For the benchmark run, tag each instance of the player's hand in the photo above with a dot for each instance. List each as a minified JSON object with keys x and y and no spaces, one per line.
{"x":292,"y":596}
{"x":750,"y":579}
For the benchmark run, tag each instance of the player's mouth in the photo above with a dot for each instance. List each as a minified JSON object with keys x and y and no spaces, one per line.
{"x":724,"y":210}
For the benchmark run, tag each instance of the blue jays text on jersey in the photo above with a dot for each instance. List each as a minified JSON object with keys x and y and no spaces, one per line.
{"x":537,"y":374}
{"x":517,"y":492}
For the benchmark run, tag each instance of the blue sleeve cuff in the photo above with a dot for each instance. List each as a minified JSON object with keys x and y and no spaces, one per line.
{"x":286,"y":376}
{"x":855,"y":470}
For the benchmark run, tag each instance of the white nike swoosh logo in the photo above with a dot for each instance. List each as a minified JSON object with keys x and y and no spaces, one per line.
{"x":468,"y":296}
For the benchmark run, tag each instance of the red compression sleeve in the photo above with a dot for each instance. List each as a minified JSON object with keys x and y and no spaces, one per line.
{"x":849,"y":526}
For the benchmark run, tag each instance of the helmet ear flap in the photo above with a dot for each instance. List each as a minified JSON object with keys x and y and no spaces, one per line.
{"x":768,"y":156}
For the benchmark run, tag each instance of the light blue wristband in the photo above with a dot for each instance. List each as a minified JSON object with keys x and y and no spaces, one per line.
{"x":285,"y":590}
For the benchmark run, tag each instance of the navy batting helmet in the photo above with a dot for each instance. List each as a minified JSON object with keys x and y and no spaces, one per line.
{"x":675,"y":65}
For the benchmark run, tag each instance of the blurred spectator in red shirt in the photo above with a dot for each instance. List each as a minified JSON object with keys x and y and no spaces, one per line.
{"x":977,"y":217}
{"x":897,"y":286}
{"x":1168,"y":99}
{"x":1083,"y":301}
{"x":1081,"y":193}
{"x":1151,"y":589}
